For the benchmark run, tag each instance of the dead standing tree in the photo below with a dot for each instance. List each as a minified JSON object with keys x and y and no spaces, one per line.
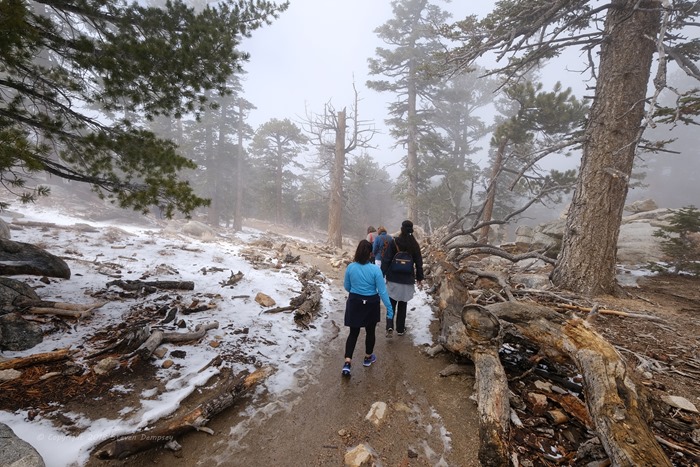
{"x":329,"y":133}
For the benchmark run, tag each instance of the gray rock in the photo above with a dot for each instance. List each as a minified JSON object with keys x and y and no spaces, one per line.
{"x":16,"y":452}
{"x":642,"y":205}
{"x":197,"y":229}
{"x":637,"y":245}
{"x":16,"y":333}
{"x":4,"y":230}
{"x":17,"y":258}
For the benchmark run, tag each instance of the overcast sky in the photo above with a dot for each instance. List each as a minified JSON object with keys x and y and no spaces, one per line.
{"x":312,"y":54}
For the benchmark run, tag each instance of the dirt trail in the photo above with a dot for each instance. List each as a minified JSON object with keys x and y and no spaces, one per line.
{"x":430,"y":419}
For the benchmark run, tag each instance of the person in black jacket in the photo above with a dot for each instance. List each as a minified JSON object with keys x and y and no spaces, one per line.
{"x":400,"y":284}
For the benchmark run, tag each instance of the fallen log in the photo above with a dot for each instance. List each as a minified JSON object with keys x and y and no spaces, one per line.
{"x":619,"y":415}
{"x":306,"y":304}
{"x":158,"y":337}
{"x":230,"y":389}
{"x":484,"y":333}
{"x":135,"y":285}
{"x":46,"y":307}
{"x":36,"y":359}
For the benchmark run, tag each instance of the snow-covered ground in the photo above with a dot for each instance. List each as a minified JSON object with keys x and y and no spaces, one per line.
{"x":133,"y":252}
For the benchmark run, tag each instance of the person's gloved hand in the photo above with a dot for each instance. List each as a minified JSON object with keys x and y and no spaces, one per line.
{"x":390,"y":314}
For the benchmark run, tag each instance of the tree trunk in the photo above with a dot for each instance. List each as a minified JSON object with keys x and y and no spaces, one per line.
{"x":588,"y":258}
{"x":335,"y":205}
{"x":238,"y":213}
{"x":412,"y":157}
{"x":491,"y":193}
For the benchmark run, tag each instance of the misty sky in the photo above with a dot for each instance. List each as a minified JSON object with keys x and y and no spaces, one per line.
{"x":312,"y":54}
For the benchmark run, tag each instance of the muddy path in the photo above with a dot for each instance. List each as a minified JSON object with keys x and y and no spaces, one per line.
{"x":430,"y":421}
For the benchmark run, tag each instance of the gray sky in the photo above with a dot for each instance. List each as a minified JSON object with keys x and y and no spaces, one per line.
{"x":312,"y":54}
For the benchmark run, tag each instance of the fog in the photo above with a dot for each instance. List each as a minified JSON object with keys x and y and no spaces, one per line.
{"x":316,"y":54}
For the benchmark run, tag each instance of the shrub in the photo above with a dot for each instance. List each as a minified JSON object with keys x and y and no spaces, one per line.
{"x":681,"y":242}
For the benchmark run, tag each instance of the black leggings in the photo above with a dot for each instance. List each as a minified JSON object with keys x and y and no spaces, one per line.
{"x":370,"y":339}
{"x":400,"y":312}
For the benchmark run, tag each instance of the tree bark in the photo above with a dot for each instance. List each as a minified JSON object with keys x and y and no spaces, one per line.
{"x":230,"y":390}
{"x":491,"y":193}
{"x":588,"y":258}
{"x":238,"y":213}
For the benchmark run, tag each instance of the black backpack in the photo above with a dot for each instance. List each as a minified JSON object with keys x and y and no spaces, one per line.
{"x":402,"y":262}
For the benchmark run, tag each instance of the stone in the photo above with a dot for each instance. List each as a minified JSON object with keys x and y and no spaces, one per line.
{"x":4,"y":230}
{"x":17,"y":258}
{"x":359,"y":456}
{"x":679,"y":403}
{"x":264,"y":300}
{"x":642,"y":205}
{"x":106,"y":365}
{"x":9,"y":375}
{"x":15,"y":452}
{"x":16,"y":333}
{"x":376,"y":413}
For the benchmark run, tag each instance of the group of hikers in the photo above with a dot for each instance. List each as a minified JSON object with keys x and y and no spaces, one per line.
{"x":385,"y":268}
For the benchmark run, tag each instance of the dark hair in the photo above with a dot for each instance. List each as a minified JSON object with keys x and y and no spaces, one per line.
{"x":364,"y":249}
{"x":406,"y":241}
{"x":371,"y":229}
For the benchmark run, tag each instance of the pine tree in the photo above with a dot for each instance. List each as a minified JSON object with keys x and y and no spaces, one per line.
{"x":57,"y":59}
{"x":681,"y":242}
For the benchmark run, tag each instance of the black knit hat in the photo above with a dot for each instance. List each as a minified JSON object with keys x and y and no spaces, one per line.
{"x":407,"y":227}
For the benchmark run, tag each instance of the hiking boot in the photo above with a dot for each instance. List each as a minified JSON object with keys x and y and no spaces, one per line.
{"x":369,"y":360}
{"x":346,"y":369}
{"x":389,"y":333}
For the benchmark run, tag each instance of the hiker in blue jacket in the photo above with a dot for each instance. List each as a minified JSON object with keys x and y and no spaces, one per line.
{"x":379,"y":243}
{"x":400,"y":284}
{"x":366,"y":285}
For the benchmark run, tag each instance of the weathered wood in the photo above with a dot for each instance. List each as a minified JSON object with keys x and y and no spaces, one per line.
{"x":36,"y":359}
{"x":158,"y":337}
{"x":306,"y":304}
{"x":60,"y":312}
{"x":229,"y":390}
{"x":619,"y":414}
{"x":134,"y":285}
{"x":602,"y":311}
{"x":493,"y":405}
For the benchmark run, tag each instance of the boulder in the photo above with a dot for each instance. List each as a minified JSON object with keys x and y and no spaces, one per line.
{"x":642,"y":205}
{"x":17,"y":258}
{"x":197,"y":229}
{"x":16,"y":452}
{"x":4,"y":230}
{"x":637,"y":245}
{"x":16,"y":333}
